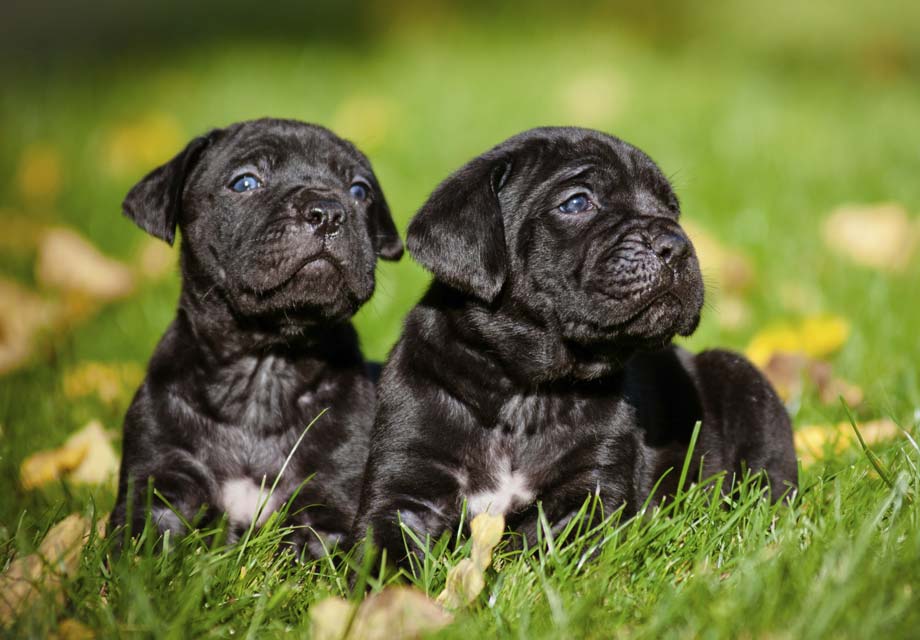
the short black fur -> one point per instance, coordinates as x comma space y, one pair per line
261, 343
539, 365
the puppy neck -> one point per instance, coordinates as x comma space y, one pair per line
208, 316
527, 347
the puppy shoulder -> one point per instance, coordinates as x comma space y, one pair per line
729, 368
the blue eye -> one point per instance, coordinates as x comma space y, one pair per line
359, 191
246, 182
578, 203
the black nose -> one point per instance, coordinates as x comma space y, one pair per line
325, 216
670, 246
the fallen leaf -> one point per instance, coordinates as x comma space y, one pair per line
814, 336
831, 388
330, 617
365, 119
880, 236
58, 555
812, 442
39, 173
141, 144
70, 262
466, 580
23, 315
790, 373
112, 383
86, 458
396, 613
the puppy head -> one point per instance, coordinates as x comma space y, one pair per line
283, 218
576, 226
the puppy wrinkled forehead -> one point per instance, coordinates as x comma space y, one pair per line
275, 142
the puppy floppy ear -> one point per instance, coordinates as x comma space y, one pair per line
154, 203
458, 233
387, 243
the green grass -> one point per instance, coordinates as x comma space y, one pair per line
766, 121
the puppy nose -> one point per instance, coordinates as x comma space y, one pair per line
325, 216
670, 246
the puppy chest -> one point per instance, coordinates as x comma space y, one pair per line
245, 502
499, 490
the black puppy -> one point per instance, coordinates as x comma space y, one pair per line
281, 224
538, 366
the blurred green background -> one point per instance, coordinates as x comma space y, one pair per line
767, 116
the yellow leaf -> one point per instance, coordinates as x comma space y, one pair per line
68, 261
39, 173
86, 458
396, 613
880, 236
57, 556
816, 337
329, 618
23, 315
486, 531
467, 580
110, 382
812, 442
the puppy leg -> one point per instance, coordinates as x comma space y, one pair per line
182, 481
743, 412
427, 504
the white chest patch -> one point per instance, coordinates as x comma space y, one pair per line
510, 489
242, 500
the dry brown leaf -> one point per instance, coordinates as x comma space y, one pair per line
396, 613
790, 372
466, 580
86, 458
68, 261
23, 315
813, 336
57, 556
110, 382
39, 173
814, 441
881, 236
138, 145
731, 270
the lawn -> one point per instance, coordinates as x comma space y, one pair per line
767, 118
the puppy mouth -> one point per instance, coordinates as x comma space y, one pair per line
316, 287
317, 262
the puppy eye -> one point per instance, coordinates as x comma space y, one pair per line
359, 191
579, 203
245, 182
